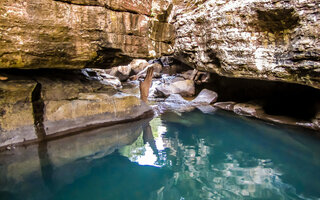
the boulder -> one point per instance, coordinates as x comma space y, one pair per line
138, 65
184, 88
175, 102
102, 76
123, 72
247, 109
205, 97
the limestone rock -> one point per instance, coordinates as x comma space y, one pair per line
184, 88
258, 39
16, 112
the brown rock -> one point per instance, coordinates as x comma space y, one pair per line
16, 112
77, 33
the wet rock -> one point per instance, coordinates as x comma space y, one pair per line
205, 97
176, 98
225, 105
255, 109
247, 109
184, 88
16, 112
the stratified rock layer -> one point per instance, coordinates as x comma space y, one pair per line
260, 39
16, 112
79, 33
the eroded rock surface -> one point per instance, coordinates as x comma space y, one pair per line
79, 33
33, 110
260, 39
16, 112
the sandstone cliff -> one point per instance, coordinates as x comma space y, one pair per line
79, 33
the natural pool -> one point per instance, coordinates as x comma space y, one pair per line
189, 156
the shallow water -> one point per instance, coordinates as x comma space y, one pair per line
176, 156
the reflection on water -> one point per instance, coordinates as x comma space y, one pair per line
176, 156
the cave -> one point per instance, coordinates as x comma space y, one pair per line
278, 98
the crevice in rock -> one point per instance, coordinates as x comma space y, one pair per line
38, 112
97, 4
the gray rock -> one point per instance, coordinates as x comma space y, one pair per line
260, 39
205, 97
184, 88
225, 105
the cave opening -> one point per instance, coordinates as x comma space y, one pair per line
278, 98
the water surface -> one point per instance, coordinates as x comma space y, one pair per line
190, 156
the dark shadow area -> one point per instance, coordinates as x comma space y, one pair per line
38, 112
278, 98
109, 57
277, 20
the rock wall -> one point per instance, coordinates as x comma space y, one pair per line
260, 39
52, 105
79, 33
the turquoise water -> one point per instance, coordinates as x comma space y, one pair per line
188, 156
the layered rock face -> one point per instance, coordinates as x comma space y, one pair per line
43, 108
79, 33
260, 39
